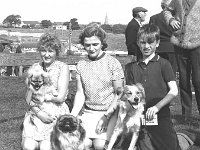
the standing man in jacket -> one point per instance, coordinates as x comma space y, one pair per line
139, 14
186, 37
165, 48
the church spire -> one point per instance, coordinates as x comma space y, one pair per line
106, 19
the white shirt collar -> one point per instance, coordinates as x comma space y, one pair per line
138, 22
146, 61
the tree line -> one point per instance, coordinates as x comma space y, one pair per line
15, 21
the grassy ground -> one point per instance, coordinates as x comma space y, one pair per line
13, 108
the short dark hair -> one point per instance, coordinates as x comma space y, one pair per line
49, 40
94, 29
135, 14
150, 32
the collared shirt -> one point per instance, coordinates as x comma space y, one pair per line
154, 76
146, 61
138, 22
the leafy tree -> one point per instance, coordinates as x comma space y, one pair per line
46, 23
119, 28
75, 25
107, 27
12, 20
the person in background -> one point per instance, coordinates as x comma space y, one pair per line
2, 68
183, 17
165, 48
156, 75
1, 47
9, 69
33, 137
18, 50
139, 14
98, 77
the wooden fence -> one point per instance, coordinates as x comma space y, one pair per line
27, 59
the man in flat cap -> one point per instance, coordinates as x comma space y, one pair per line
139, 14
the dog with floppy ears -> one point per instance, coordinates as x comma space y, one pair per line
130, 107
68, 134
40, 84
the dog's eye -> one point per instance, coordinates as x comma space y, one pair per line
129, 94
137, 93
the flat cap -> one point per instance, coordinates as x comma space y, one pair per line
139, 9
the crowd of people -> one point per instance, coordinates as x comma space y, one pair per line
169, 37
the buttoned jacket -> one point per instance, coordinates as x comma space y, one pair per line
188, 13
131, 37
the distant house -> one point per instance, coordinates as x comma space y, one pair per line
30, 23
59, 26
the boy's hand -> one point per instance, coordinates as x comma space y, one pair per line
150, 113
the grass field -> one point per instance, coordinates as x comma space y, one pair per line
13, 108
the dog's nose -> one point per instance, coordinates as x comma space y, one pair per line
136, 99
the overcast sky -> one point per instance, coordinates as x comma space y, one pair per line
86, 11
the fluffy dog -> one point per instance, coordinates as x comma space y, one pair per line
68, 134
40, 84
130, 108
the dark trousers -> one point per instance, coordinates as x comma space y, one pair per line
159, 137
188, 61
9, 71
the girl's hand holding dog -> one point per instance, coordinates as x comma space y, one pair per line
102, 125
45, 117
35, 99
151, 112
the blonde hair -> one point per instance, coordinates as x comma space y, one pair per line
49, 40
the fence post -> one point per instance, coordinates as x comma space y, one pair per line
70, 34
20, 70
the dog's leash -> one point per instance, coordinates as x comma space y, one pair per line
130, 104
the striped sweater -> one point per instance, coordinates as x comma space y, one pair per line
188, 14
